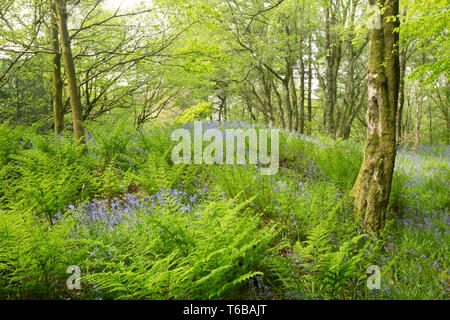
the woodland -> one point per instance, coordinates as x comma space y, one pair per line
93, 206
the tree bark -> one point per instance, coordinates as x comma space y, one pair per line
57, 83
418, 118
280, 105
401, 95
309, 126
333, 45
328, 115
75, 100
301, 125
268, 106
297, 119
287, 100
373, 184
430, 124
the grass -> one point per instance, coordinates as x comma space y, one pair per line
140, 227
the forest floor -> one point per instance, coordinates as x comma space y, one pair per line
139, 227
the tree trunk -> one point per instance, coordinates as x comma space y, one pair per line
309, 127
447, 134
287, 101
75, 100
295, 104
58, 108
268, 106
430, 125
301, 127
333, 45
401, 95
328, 115
373, 185
418, 118
250, 111
280, 105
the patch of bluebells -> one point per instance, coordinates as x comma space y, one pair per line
418, 218
223, 125
313, 171
259, 289
280, 186
98, 292
110, 213
303, 137
391, 247
296, 296
90, 140
421, 172
296, 265
424, 165
324, 142
310, 169
297, 269
386, 291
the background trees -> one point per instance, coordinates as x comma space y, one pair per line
295, 64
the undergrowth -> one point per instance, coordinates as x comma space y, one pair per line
140, 227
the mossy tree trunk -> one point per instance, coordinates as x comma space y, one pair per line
57, 83
373, 185
75, 100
